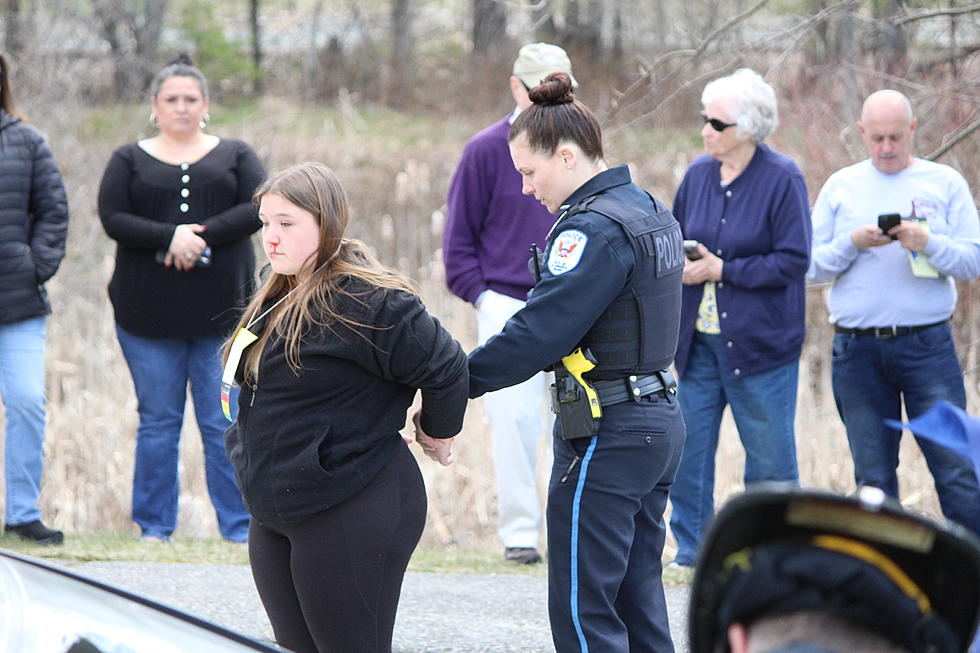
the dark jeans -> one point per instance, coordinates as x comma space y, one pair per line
332, 582
871, 378
606, 530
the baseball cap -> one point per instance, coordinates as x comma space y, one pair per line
536, 60
779, 549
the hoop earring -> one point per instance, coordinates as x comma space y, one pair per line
204, 122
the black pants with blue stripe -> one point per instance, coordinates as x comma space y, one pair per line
606, 530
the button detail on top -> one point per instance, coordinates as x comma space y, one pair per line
718, 252
729, 343
184, 166
724, 220
724, 314
184, 207
737, 371
728, 193
636, 392
184, 192
185, 178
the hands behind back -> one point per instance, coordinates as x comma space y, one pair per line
438, 449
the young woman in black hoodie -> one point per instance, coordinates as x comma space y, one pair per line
342, 345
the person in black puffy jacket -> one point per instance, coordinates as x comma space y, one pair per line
33, 229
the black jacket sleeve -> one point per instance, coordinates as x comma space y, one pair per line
241, 220
412, 347
49, 212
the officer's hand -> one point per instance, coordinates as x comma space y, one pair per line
911, 234
869, 235
706, 268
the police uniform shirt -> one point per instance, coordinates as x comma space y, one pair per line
588, 263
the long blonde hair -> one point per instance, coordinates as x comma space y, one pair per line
313, 187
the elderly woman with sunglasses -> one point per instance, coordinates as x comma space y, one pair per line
742, 312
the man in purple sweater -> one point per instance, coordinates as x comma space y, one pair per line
489, 229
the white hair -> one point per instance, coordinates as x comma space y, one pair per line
751, 100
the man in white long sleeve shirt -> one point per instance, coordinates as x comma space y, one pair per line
892, 296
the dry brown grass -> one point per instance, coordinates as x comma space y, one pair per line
396, 168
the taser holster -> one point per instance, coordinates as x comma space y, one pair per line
573, 399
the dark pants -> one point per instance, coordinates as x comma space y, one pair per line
331, 583
606, 530
871, 379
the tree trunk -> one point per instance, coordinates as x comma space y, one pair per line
13, 37
489, 29
891, 43
256, 47
133, 33
401, 71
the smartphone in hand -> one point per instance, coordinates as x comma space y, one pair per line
691, 250
888, 220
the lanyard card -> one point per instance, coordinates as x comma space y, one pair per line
243, 339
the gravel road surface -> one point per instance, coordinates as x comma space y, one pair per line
438, 613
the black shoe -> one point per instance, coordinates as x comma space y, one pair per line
522, 555
38, 533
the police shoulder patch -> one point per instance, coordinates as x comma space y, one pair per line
567, 251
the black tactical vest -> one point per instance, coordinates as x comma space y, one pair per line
637, 334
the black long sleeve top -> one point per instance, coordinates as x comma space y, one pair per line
306, 441
142, 200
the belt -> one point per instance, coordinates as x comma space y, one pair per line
885, 332
633, 387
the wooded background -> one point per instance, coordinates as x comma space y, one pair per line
387, 93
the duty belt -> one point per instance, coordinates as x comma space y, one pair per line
632, 388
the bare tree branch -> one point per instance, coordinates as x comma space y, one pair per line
954, 140
696, 81
798, 32
898, 21
692, 55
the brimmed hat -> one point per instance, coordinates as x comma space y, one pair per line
536, 60
949, 426
773, 551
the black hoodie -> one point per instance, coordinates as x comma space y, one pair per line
305, 441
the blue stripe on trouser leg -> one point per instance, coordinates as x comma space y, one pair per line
574, 543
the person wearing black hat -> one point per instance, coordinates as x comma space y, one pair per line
801, 570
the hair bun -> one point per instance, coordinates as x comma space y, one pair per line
556, 88
183, 59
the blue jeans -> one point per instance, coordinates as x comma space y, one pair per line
22, 389
871, 378
764, 407
161, 369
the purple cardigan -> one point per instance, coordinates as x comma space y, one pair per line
760, 226
490, 224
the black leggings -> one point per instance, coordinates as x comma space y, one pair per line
330, 584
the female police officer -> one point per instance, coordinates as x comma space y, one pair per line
610, 283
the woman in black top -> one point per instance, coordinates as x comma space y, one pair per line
337, 500
179, 207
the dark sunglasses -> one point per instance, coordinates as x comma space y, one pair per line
716, 124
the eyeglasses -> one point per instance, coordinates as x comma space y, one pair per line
716, 124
